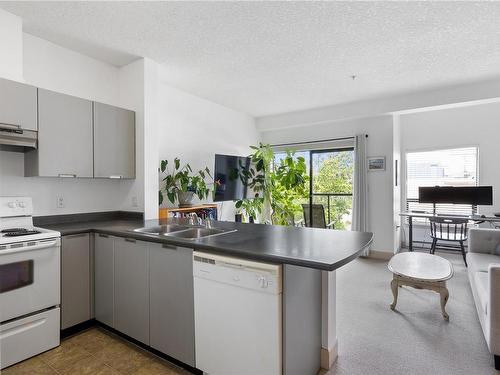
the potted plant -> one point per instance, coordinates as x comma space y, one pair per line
252, 207
282, 185
181, 184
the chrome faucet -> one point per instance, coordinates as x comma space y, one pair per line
193, 219
208, 222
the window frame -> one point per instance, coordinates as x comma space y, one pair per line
405, 200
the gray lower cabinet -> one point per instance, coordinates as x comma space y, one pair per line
104, 279
18, 105
172, 301
145, 290
75, 280
65, 141
131, 297
114, 142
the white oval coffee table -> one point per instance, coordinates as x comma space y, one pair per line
421, 271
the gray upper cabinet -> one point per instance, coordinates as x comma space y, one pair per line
131, 307
104, 279
18, 106
65, 142
172, 301
114, 142
75, 280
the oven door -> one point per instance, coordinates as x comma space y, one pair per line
29, 278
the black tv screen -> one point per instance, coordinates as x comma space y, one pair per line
456, 194
228, 184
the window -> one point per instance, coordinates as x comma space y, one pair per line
449, 167
16, 275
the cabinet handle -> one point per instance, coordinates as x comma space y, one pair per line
116, 176
75, 235
130, 240
103, 235
11, 128
171, 247
67, 175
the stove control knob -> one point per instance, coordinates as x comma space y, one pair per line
21, 204
11, 204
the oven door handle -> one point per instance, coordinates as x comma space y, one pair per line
43, 245
19, 329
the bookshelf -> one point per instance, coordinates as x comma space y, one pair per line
201, 210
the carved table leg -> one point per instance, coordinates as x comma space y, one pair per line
394, 287
444, 294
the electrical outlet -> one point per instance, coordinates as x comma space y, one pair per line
60, 202
134, 202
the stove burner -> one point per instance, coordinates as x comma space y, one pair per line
16, 232
10, 230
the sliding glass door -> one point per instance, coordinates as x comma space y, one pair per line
330, 188
331, 174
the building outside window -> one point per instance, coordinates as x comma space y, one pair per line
444, 167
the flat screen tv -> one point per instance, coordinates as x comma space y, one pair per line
476, 195
228, 184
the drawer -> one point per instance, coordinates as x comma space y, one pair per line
23, 338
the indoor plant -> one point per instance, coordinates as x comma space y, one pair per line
279, 187
181, 184
252, 207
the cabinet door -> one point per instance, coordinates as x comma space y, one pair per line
104, 279
132, 288
18, 105
172, 301
114, 142
65, 144
75, 280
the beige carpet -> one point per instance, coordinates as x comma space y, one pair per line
414, 339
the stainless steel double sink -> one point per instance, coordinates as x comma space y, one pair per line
187, 232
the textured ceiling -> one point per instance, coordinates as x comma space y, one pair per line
272, 57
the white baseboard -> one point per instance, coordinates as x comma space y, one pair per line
329, 356
384, 255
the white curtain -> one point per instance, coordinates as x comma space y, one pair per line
360, 188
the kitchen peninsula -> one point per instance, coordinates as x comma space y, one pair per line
144, 282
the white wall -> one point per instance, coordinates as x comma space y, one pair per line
468, 126
152, 105
396, 182
131, 95
11, 46
437, 98
195, 129
53, 67
380, 143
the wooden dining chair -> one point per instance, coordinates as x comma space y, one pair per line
444, 229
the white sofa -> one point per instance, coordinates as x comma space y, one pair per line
483, 261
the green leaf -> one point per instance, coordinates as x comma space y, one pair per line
163, 165
171, 197
177, 163
160, 197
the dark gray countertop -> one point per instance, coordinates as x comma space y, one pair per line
323, 249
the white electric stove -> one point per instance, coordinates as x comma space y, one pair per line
29, 283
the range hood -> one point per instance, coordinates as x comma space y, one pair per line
13, 138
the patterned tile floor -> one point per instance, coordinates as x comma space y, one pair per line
97, 352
